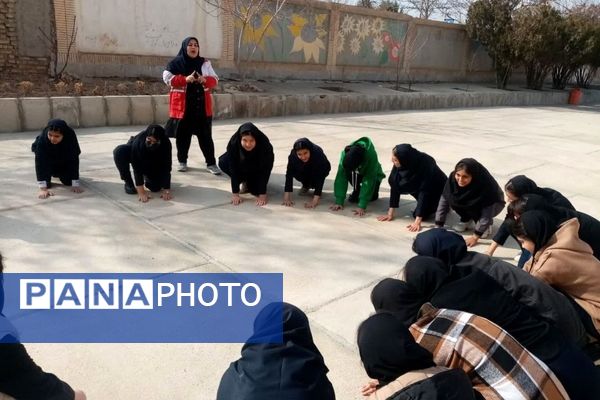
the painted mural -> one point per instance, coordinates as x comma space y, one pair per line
369, 41
297, 34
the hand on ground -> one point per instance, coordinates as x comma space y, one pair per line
166, 195
369, 388
44, 194
336, 207
312, 204
471, 240
261, 200
385, 217
414, 227
77, 189
359, 212
236, 200
144, 197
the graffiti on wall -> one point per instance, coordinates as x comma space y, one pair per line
296, 34
369, 41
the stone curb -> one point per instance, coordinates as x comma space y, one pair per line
32, 113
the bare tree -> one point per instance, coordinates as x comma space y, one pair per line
422, 8
245, 12
51, 41
413, 44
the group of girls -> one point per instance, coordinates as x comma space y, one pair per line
456, 325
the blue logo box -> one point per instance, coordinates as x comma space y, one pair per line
139, 308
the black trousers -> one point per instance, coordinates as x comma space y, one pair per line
122, 157
202, 129
60, 171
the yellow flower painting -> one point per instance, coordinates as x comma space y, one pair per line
308, 36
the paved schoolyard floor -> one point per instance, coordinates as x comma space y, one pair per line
330, 261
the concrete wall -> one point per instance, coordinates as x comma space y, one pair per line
307, 40
22, 53
145, 27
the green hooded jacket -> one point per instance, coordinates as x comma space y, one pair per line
370, 169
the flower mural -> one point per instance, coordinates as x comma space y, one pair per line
308, 34
364, 40
296, 34
257, 31
377, 45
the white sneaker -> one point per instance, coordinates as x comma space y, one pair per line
214, 169
460, 227
182, 167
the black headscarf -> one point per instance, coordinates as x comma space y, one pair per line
67, 146
399, 298
388, 350
182, 64
482, 192
538, 226
426, 274
237, 151
149, 160
317, 162
409, 175
521, 185
477, 293
447, 246
292, 370
355, 155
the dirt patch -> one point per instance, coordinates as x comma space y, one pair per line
105, 87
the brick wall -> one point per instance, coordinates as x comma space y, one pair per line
13, 65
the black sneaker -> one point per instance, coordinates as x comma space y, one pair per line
130, 189
353, 198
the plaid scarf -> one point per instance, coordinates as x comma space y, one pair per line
498, 365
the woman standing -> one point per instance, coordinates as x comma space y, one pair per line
473, 193
417, 174
308, 164
191, 79
56, 155
248, 161
149, 153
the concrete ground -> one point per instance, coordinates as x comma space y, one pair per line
330, 260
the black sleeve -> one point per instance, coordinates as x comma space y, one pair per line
265, 172
394, 193
43, 171
23, 379
319, 182
502, 234
136, 165
289, 176
167, 165
322, 171
234, 167
74, 167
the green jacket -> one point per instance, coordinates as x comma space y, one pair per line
370, 170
